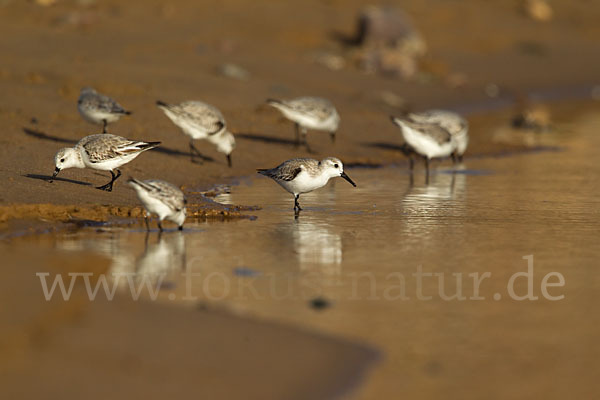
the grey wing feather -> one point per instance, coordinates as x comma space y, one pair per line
435, 131
451, 121
101, 102
165, 192
313, 106
284, 172
104, 147
203, 115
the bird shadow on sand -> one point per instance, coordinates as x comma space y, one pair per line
48, 177
265, 139
164, 150
179, 153
388, 146
45, 136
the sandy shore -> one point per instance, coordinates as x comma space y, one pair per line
148, 50
140, 51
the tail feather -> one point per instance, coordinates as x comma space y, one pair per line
273, 102
132, 181
126, 112
397, 120
148, 145
161, 103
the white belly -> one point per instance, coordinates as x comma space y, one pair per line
154, 206
330, 124
462, 142
425, 145
97, 117
110, 164
191, 130
304, 183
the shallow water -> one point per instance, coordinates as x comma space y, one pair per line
394, 263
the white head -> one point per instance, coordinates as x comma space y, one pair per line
67, 157
336, 123
87, 90
179, 217
333, 167
225, 142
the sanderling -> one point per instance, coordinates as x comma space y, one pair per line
303, 175
161, 198
309, 113
104, 152
98, 108
455, 124
425, 139
199, 120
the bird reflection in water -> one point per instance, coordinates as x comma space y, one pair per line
428, 206
161, 263
317, 245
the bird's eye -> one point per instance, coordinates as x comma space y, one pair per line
62, 160
335, 165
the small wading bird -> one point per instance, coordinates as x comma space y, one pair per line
303, 175
426, 140
309, 113
98, 108
199, 120
104, 152
161, 198
455, 124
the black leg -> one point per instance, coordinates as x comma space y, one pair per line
411, 164
297, 129
296, 204
454, 158
332, 136
195, 151
191, 151
160, 228
146, 218
426, 170
180, 227
304, 132
459, 158
104, 123
109, 186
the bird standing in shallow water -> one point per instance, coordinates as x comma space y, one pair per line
303, 175
309, 113
104, 152
161, 198
428, 140
199, 120
456, 125
98, 108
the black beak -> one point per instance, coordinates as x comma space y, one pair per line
229, 160
346, 177
56, 171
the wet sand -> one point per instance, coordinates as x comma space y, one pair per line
122, 348
346, 267
522, 193
146, 50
